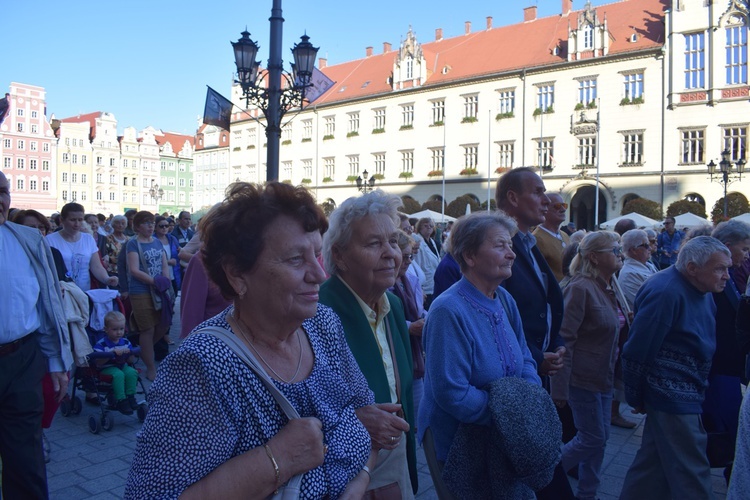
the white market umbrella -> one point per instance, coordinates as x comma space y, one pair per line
690, 220
468, 209
640, 221
435, 216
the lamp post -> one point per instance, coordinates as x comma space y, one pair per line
264, 88
728, 176
365, 185
156, 194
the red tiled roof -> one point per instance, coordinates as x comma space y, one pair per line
176, 140
89, 117
528, 44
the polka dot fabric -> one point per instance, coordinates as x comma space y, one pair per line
207, 406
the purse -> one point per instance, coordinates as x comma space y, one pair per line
291, 490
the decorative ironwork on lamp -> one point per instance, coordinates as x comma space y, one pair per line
364, 184
727, 173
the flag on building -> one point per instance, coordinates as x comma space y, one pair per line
4, 107
218, 109
319, 83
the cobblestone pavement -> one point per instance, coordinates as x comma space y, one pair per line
89, 466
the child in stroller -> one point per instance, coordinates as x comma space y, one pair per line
112, 353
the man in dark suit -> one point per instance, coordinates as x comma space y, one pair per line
521, 194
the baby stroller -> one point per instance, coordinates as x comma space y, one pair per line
90, 378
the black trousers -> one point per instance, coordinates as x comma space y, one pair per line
21, 408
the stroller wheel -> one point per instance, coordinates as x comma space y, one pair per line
94, 425
76, 405
142, 411
108, 422
66, 407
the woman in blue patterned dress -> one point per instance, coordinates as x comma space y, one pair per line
213, 429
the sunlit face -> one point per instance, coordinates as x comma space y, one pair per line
492, 262
426, 229
608, 261
119, 226
739, 252
93, 223
557, 209
370, 261
162, 228
287, 275
186, 220
145, 229
115, 330
72, 223
713, 276
530, 206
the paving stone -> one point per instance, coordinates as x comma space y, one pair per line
105, 495
106, 482
104, 468
70, 493
61, 481
71, 464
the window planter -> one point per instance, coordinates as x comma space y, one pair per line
591, 105
538, 111
251, 146
306, 181
327, 179
378, 130
435, 173
328, 137
469, 171
405, 175
236, 149
579, 107
351, 178
406, 127
469, 119
286, 181
501, 170
353, 133
286, 142
502, 116
628, 102
378, 177
307, 139
438, 123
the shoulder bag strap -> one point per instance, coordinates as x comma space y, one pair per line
393, 359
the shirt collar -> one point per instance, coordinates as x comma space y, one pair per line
375, 318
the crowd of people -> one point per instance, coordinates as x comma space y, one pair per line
317, 353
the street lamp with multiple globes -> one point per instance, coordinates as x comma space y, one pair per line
727, 174
365, 185
264, 89
156, 193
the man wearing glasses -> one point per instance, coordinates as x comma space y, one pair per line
549, 239
668, 243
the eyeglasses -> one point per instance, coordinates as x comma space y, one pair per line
644, 245
616, 250
558, 206
148, 223
162, 226
408, 257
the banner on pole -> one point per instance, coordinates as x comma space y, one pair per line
218, 109
319, 83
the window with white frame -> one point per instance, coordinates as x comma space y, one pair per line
379, 160
471, 155
438, 159
353, 165
587, 90
330, 125
19, 184
736, 52
83, 196
545, 96
633, 85
66, 157
438, 111
587, 151
45, 185
286, 132
20, 129
32, 185
34, 129
407, 161
735, 140
505, 152
588, 36
695, 61
545, 152
6, 143
99, 160
21, 144
84, 178
34, 114
181, 183
45, 147
632, 148
19, 112
252, 135
74, 177
33, 146
99, 178
307, 165
74, 159
471, 106
307, 129
693, 145
379, 123
67, 141
33, 164
506, 101
407, 115
286, 170
112, 196
352, 123
99, 196
112, 179
20, 163
7, 162
84, 159
65, 194
45, 165
409, 67
329, 167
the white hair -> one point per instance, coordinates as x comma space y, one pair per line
698, 251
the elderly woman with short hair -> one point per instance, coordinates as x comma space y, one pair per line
214, 428
362, 257
473, 334
721, 406
115, 242
636, 269
591, 325
428, 256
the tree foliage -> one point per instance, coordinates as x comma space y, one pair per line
457, 207
410, 205
680, 207
327, 208
493, 205
434, 205
737, 205
644, 207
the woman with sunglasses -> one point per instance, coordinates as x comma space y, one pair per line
590, 328
549, 239
171, 248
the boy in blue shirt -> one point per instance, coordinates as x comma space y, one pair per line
114, 354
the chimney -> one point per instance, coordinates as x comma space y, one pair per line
438, 34
368, 51
529, 13
567, 6
467, 27
386, 47
489, 22
322, 62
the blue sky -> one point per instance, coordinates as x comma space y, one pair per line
148, 62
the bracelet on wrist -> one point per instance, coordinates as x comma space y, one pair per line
366, 470
275, 467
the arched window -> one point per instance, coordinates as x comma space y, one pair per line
588, 37
695, 197
736, 50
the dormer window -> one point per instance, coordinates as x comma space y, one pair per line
588, 37
409, 67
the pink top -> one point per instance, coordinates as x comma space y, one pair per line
201, 298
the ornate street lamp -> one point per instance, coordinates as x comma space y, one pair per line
156, 193
364, 185
728, 175
273, 91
